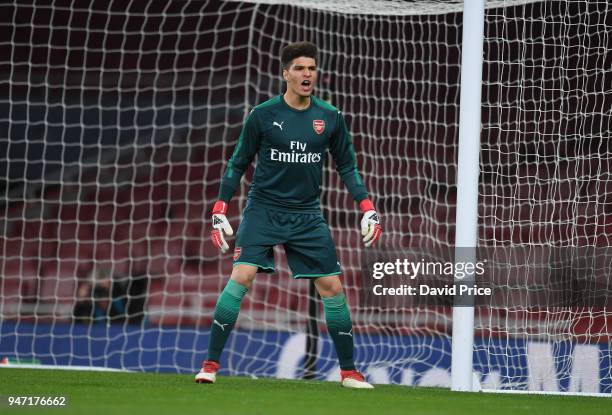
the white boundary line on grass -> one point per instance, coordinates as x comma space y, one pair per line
60, 367
521, 392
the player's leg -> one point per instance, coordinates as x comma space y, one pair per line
337, 318
224, 319
228, 307
340, 328
253, 253
311, 253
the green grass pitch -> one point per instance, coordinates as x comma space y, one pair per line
146, 393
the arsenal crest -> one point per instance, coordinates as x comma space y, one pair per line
237, 252
319, 126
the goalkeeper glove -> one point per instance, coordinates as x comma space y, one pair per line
370, 223
221, 226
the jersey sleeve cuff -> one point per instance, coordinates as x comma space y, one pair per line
220, 207
366, 205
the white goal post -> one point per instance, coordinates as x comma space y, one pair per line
468, 167
117, 119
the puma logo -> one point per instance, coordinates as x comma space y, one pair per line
279, 125
220, 325
342, 333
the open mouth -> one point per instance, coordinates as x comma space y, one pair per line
306, 83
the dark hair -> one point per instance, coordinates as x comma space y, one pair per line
296, 50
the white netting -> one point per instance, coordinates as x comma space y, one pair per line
545, 191
120, 117
389, 7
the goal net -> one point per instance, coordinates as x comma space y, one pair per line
118, 119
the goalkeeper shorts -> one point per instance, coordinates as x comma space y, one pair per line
309, 247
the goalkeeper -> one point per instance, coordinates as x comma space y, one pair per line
291, 135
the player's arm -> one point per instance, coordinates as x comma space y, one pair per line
341, 149
244, 152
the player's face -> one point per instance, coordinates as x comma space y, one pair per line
301, 76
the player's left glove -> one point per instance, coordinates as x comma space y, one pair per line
370, 223
221, 226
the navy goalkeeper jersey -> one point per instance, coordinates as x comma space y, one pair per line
291, 147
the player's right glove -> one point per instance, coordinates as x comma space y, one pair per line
221, 226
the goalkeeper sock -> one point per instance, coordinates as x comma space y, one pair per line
226, 314
340, 327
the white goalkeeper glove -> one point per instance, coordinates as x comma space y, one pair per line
370, 223
221, 226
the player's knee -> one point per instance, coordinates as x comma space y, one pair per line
244, 274
329, 286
